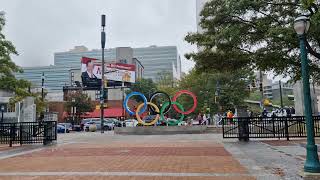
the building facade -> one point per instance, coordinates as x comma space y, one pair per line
154, 59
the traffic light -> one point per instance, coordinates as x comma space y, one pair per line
261, 88
253, 84
249, 88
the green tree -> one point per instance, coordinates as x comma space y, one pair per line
8, 68
144, 86
165, 79
231, 89
307, 3
8, 81
245, 34
81, 101
255, 96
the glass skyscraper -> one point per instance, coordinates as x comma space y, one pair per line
154, 59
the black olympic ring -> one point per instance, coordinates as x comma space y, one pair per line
167, 109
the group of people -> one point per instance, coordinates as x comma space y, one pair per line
283, 112
203, 119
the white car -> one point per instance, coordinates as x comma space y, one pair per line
131, 123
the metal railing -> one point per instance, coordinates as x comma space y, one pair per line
28, 132
273, 127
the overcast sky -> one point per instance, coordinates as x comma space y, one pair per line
38, 28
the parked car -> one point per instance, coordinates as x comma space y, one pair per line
131, 123
67, 125
116, 122
88, 124
62, 129
84, 121
108, 125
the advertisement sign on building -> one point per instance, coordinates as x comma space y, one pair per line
91, 72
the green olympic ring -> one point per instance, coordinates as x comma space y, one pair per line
163, 108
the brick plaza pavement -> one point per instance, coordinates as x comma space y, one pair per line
108, 156
176, 157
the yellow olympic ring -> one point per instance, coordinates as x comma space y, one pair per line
153, 121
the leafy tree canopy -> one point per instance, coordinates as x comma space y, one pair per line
81, 101
144, 86
8, 67
217, 91
247, 34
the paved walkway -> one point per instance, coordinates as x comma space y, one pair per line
108, 156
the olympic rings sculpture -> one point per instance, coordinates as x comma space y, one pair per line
165, 107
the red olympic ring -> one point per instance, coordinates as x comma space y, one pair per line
195, 101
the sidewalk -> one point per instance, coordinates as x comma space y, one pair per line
177, 157
107, 156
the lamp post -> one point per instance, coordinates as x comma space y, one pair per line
42, 94
2, 110
301, 26
42, 86
103, 42
73, 110
280, 89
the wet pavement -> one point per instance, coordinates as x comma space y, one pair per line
190, 156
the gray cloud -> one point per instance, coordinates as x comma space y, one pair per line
38, 28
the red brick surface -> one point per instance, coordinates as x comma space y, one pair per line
171, 156
133, 151
123, 178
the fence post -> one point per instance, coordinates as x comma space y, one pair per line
286, 128
20, 134
222, 127
45, 133
243, 125
273, 128
12, 133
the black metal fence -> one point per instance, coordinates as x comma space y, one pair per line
276, 127
28, 132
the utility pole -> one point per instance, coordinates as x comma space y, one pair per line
103, 42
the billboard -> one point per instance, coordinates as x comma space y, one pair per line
91, 72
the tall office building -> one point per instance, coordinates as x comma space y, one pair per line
154, 59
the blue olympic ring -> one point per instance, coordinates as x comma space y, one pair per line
125, 103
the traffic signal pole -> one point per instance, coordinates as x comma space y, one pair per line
103, 42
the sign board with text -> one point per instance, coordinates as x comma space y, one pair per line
91, 72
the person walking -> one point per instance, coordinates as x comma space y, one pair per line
204, 119
199, 118
230, 116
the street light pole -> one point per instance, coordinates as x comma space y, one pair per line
73, 110
42, 94
103, 42
280, 89
301, 26
42, 83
